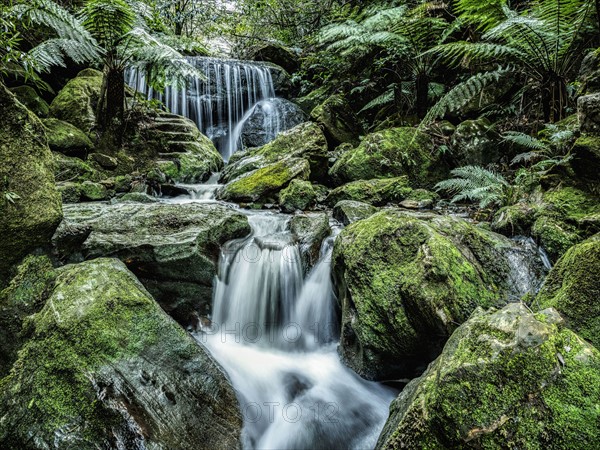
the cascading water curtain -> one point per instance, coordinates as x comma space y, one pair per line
221, 103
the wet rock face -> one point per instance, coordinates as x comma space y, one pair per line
405, 280
173, 249
506, 378
105, 367
268, 118
29, 200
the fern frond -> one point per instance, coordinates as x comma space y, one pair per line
524, 140
383, 100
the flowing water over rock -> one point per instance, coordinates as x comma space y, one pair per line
231, 93
275, 334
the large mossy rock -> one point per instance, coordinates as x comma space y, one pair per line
573, 288
29, 221
377, 192
277, 54
299, 195
476, 143
25, 295
310, 230
263, 185
338, 120
305, 141
32, 100
76, 103
405, 280
66, 138
173, 249
350, 211
105, 367
389, 153
565, 217
258, 130
506, 379
588, 111
586, 159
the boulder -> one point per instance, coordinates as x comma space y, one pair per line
264, 184
310, 230
277, 54
350, 211
588, 111
586, 159
25, 295
32, 100
375, 192
305, 141
573, 288
105, 161
476, 143
506, 379
31, 205
177, 245
299, 195
589, 73
93, 191
385, 154
313, 99
338, 120
268, 118
76, 103
72, 169
66, 138
406, 279
105, 367
514, 220
565, 217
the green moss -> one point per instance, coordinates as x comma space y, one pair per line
70, 192
299, 195
410, 279
26, 170
93, 191
386, 154
76, 102
505, 379
338, 120
32, 100
71, 169
376, 192
264, 183
66, 138
514, 220
312, 100
573, 289
25, 295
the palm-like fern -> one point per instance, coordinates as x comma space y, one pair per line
540, 47
400, 36
475, 183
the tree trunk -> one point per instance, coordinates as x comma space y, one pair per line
111, 108
422, 87
554, 100
598, 16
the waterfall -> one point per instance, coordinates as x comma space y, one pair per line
222, 102
275, 334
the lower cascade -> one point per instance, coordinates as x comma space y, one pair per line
275, 334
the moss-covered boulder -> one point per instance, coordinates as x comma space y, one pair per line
93, 191
310, 230
76, 103
193, 162
176, 245
32, 100
475, 142
588, 111
350, 211
311, 100
305, 141
385, 154
375, 192
66, 138
338, 120
573, 288
105, 367
405, 280
299, 195
25, 295
73, 169
586, 159
565, 217
263, 185
514, 220
29, 200
506, 379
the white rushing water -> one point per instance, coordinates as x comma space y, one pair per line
222, 102
275, 334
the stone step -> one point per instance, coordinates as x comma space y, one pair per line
174, 126
173, 136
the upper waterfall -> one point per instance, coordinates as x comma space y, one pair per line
229, 95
